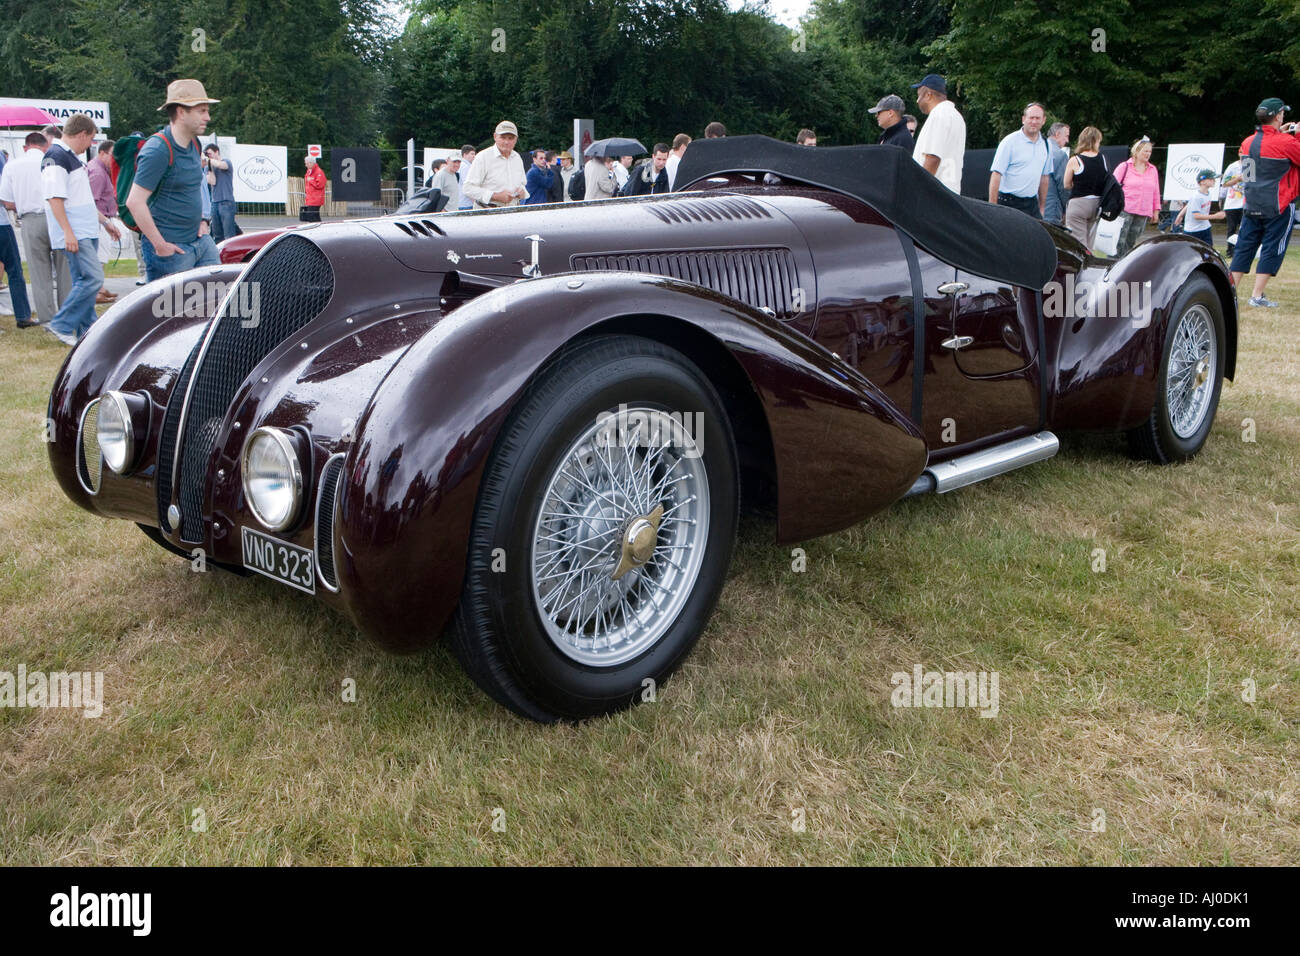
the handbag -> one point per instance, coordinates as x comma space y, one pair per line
1106, 241
1112, 196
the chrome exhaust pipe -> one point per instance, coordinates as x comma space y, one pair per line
977, 466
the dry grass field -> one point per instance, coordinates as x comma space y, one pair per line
225, 737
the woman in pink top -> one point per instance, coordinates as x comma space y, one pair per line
1141, 183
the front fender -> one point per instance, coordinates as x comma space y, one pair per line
1112, 331
842, 450
139, 344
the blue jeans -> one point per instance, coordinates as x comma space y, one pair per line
14, 272
199, 252
223, 220
77, 313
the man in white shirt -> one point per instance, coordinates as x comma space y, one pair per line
620, 170
941, 144
74, 221
497, 177
22, 193
680, 142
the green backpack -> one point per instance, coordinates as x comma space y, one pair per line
126, 152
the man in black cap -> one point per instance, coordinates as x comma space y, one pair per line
889, 116
1270, 160
941, 144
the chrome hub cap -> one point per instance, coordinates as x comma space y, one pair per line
619, 541
1189, 384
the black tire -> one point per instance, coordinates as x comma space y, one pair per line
500, 633
1157, 439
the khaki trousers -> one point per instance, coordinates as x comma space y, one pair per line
1081, 218
46, 266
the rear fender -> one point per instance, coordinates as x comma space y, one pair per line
1108, 356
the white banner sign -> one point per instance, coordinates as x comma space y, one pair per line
261, 173
224, 143
1184, 162
62, 109
584, 134
435, 152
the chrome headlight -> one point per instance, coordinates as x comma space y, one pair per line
122, 418
272, 476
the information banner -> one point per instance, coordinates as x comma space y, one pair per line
62, 109
1184, 162
355, 174
261, 173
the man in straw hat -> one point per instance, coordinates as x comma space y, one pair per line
165, 197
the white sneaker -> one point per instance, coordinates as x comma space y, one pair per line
63, 337
1260, 301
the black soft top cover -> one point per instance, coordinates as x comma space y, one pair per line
992, 241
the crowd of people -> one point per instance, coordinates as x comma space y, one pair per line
1041, 177
181, 201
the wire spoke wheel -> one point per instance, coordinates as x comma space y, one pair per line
1193, 360
620, 536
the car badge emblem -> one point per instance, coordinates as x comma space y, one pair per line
452, 257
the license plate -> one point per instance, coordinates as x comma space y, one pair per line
286, 563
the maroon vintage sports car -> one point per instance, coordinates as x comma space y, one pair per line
537, 424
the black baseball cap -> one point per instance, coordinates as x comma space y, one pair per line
935, 82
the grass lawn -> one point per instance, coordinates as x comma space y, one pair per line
114, 267
225, 738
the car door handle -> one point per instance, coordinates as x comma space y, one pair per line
953, 288
957, 342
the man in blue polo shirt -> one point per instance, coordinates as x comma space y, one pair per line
166, 196
1022, 166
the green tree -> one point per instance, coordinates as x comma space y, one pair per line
286, 71
1175, 71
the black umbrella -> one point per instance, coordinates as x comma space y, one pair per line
614, 146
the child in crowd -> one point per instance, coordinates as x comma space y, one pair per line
1196, 215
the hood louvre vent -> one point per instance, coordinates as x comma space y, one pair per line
420, 227
722, 209
761, 278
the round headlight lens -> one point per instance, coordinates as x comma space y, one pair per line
272, 478
115, 438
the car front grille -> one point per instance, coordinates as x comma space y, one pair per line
290, 283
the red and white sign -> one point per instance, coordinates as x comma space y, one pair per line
313, 149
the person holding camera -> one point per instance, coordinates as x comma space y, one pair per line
1270, 160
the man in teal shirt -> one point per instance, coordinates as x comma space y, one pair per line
166, 196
